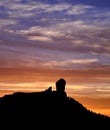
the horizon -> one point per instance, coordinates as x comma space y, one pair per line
93, 103
42, 41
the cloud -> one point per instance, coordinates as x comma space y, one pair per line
7, 22
20, 14
40, 38
84, 61
57, 7
28, 53
79, 9
49, 8
79, 34
104, 90
37, 29
69, 64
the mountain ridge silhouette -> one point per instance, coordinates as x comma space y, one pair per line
48, 109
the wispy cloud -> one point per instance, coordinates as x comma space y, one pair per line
6, 22
104, 90
79, 9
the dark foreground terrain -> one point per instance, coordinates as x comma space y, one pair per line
47, 110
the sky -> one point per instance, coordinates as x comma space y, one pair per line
44, 40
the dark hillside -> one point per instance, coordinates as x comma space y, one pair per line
48, 110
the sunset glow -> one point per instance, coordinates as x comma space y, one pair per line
42, 41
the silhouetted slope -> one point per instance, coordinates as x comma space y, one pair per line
47, 110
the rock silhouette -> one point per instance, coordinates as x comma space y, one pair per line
48, 110
60, 85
